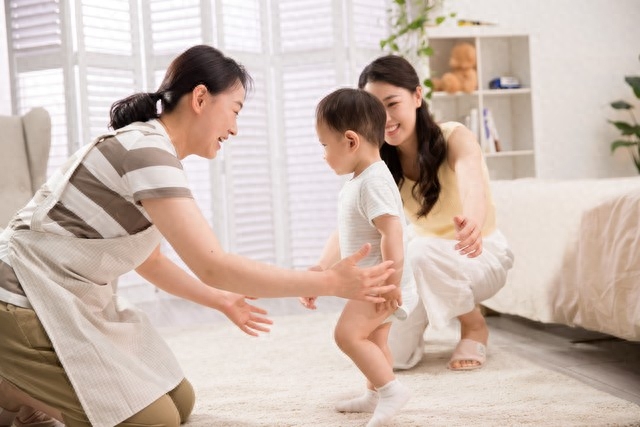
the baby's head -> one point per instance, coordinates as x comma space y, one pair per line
353, 110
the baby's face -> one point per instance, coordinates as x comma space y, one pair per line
337, 151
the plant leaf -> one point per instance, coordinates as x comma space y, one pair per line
626, 128
621, 105
634, 82
426, 51
620, 143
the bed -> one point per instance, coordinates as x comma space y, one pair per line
577, 252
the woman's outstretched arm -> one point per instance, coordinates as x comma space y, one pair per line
168, 276
181, 222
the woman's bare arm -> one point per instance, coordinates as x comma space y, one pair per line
183, 225
166, 275
465, 157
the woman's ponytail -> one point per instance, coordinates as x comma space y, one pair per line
138, 107
200, 64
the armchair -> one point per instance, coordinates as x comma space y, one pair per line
25, 142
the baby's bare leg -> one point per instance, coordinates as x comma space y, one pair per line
358, 321
366, 402
362, 335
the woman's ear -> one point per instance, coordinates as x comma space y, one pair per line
418, 96
198, 97
353, 139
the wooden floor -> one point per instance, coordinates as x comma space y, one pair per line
604, 362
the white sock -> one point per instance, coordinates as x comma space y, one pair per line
393, 396
365, 403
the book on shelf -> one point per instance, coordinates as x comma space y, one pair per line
471, 121
491, 140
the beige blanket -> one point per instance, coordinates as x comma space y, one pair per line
577, 252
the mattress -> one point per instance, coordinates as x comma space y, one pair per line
577, 252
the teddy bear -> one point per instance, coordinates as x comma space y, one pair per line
462, 75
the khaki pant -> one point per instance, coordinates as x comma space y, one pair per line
28, 361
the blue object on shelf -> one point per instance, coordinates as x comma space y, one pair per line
505, 82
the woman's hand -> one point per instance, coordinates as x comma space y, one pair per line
469, 236
364, 284
249, 318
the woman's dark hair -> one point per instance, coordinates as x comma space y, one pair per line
397, 71
199, 64
353, 109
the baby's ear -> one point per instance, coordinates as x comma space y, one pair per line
353, 138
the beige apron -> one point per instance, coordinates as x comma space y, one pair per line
115, 360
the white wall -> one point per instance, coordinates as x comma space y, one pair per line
5, 94
580, 53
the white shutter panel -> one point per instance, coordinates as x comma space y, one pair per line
245, 162
104, 86
306, 24
107, 26
369, 25
45, 88
242, 25
312, 186
34, 24
34, 35
369, 22
174, 25
109, 62
248, 167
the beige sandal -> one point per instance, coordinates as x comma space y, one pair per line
468, 349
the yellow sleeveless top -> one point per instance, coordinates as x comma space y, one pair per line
439, 221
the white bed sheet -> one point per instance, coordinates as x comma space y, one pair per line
577, 252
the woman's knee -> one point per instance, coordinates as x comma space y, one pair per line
184, 398
161, 413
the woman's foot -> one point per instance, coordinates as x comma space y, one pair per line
471, 353
7, 418
28, 411
29, 417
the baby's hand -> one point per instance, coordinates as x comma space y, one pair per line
308, 302
393, 301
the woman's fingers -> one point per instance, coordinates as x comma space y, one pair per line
360, 253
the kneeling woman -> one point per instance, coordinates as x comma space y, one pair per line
71, 349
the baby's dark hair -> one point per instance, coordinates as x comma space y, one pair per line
353, 109
200, 64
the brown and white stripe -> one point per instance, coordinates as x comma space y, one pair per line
102, 198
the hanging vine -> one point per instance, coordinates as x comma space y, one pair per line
408, 23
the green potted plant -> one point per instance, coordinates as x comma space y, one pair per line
630, 131
408, 23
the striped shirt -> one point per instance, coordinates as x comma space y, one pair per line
102, 198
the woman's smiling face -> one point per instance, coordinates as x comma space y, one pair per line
401, 106
218, 120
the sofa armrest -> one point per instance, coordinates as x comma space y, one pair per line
37, 131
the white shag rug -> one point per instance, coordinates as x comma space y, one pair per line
294, 376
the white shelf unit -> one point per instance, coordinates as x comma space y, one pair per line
499, 53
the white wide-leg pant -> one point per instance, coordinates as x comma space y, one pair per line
449, 285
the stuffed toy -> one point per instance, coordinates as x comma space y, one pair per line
462, 75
